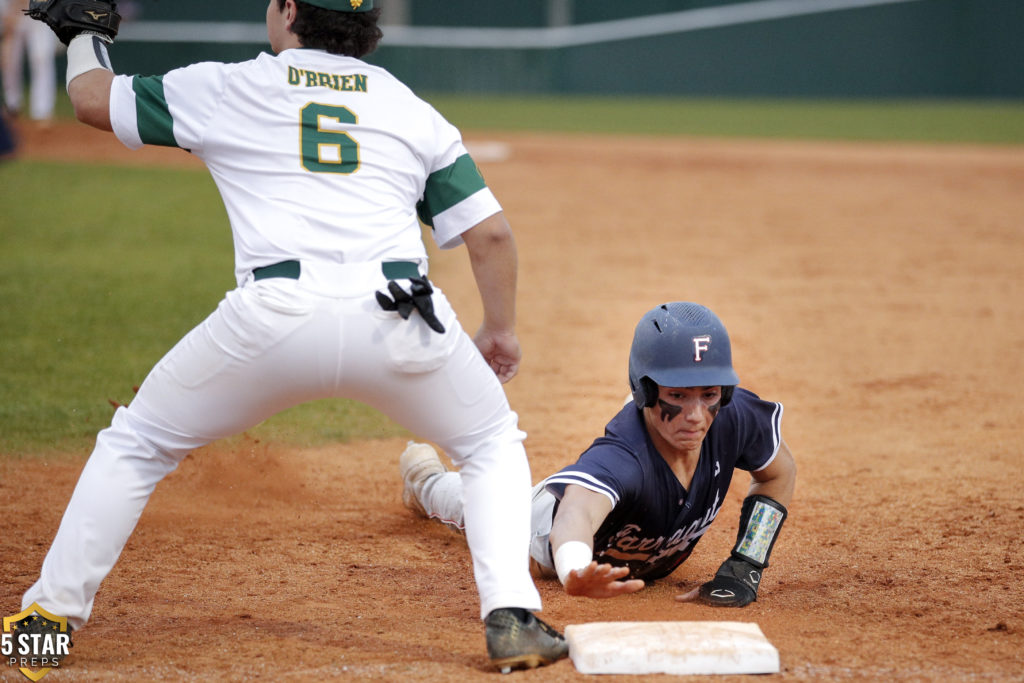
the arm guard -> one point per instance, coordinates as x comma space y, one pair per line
761, 519
737, 580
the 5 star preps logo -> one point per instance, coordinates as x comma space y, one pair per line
35, 641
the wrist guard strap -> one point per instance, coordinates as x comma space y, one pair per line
571, 555
87, 51
760, 521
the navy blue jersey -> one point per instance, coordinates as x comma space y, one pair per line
655, 522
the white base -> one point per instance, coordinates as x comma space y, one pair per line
671, 647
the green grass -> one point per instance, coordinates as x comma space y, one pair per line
898, 120
958, 121
105, 268
100, 278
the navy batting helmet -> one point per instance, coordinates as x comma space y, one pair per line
680, 344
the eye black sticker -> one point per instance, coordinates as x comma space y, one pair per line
713, 409
669, 412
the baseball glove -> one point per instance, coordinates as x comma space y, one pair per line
68, 18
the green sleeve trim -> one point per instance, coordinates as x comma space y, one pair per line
424, 213
448, 186
156, 127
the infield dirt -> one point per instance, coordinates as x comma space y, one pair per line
876, 290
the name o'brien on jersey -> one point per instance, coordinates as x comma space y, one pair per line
318, 79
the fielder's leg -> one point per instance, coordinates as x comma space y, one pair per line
41, 44
212, 384
109, 498
12, 52
442, 389
462, 407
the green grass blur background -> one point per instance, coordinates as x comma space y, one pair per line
105, 267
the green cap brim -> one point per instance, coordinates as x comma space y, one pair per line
343, 5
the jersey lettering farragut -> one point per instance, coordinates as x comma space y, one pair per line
627, 545
319, 79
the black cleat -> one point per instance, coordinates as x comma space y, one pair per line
516, 639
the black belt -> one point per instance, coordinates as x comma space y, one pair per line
393, 270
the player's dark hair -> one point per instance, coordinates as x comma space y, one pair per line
353, 34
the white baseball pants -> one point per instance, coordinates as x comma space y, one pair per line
273, 344
36, 40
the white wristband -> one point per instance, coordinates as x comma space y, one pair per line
87, 51
571, 555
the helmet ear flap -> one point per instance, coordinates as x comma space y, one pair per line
645, 392
648, 392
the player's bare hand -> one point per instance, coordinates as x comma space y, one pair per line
501, 351
689, 596
601, 581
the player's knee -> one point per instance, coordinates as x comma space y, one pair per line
493, 441
129, 434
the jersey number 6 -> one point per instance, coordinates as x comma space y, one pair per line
326, 148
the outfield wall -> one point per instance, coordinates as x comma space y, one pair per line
770, 48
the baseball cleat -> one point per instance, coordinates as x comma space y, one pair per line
418, 463
516, 639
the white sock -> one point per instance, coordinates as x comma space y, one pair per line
441, 497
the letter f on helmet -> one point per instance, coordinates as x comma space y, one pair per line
700, 345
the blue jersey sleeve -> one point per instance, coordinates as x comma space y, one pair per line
753, 426
611, 465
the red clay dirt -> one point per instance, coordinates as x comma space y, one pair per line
876, 290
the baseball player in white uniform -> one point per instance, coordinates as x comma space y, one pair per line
323, 162
26, 38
